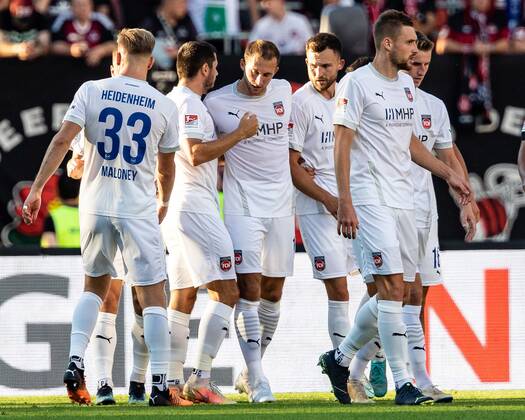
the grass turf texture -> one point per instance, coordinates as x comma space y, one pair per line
466, 405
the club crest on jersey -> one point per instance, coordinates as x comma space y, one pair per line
226, 263
377, 258
278, 107
319, 263
238, 256
409, 94
191, 120
426, 121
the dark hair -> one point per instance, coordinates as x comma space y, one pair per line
68, 188
262, 48
359, 62
192, 56
322, 41
423, 42
389, 24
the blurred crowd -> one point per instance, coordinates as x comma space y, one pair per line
86, 28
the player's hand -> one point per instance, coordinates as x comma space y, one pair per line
475, 209
248, 125
78, 49
461, 188
331, 203
75, 168
468, 221
309, 170
347, 223
161, 213
31, 207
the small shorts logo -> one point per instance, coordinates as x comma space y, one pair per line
238, 256
278, 108
426, 121
378, 259
319, 263
191, 120
409, 94
226, 263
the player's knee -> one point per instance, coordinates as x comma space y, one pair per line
337, 289
249, 290
272, 289
415, 297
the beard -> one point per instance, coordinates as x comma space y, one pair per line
324, 84
209, 82
399, 62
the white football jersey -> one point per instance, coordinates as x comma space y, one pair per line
381, 111
257, 180
433, 129
195, 188
312, 133
126, 124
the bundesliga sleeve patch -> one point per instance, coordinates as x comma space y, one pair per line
191, 120
408, 93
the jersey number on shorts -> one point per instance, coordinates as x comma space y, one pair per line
437, 263
113, 134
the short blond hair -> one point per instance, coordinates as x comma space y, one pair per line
136, 41
262, 48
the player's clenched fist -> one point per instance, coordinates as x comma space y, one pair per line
347, 223
31, 207
248, 125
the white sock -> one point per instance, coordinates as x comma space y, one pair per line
364, 299
213, 328
104, 344
140, 352
156, 335
269, 313
392, 331
416, 345
248, 332
83, 323
338, 321
364, 329
179, 324
363, 356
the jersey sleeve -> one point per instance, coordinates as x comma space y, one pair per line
76, 112
298, 126
169, 142
523, 131
444, 134
77, 145
191, 120
349, 104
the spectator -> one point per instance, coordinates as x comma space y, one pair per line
172, 26
83, 33
23, 31
288, 30
61, 227
477, 32
516, 13
422, 12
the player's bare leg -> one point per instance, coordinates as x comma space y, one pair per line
82, 326
152, 299
137, 380
214, 325
105, 343
416, 343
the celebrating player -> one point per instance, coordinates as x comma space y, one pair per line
257, 204
200, 248
374, 120
130, 130
311, 146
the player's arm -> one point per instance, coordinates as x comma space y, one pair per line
165, 179
75, 166
200, 152
55, 153
304, 182
425, 159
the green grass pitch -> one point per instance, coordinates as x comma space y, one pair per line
467, 405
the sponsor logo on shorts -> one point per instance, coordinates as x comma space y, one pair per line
378, 259
278, 108
226, 263
409, 94
191, 120
319, 263
426, 121
238, 256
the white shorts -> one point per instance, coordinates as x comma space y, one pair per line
262, 244
429, 267
387, 240
331, 254
118, 264
139, 240
199, 249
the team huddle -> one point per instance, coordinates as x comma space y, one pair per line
353, 160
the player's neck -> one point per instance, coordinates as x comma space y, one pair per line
327, 93
243, 88
194, 85
133, 72
383, 65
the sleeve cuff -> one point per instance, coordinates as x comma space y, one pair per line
296, 147
76, 120
447, 145
196, 136
345, 122
168, 149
